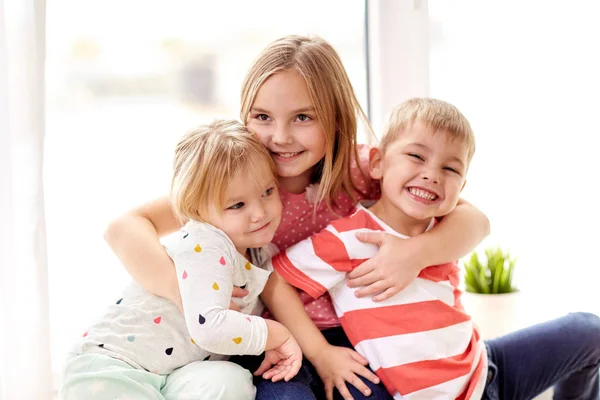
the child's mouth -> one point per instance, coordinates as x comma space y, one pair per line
262, 228
422, 194
288, 156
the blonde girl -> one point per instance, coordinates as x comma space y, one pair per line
297, 97
224, 186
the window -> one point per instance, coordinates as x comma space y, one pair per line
124, 81
530, 89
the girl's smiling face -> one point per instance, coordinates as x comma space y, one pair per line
284, 117
252, 211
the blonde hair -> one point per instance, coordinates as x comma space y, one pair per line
335, 103
439, 115
207, 159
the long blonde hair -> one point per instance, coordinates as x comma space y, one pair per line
207, 159
335, 103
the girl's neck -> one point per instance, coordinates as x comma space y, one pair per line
398, 220
295, 184
244, 251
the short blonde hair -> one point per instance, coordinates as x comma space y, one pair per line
207, 159
335, 103
439, 115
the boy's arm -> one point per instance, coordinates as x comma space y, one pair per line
399, 261
335, 365
301, 266
284, 303
134, 238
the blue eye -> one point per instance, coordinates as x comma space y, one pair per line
269, 191
236, 206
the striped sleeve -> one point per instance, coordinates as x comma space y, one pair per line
316, 264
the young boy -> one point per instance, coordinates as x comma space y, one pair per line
421, 343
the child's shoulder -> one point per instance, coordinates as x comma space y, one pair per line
363, 151
360, 218
367, 187
194, 236
202, 229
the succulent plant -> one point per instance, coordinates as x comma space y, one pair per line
492, 275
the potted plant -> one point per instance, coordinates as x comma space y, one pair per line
491, 297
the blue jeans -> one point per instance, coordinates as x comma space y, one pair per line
307, 385
564, 353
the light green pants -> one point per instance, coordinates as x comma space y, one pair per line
100, 377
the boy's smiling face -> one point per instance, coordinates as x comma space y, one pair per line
422, 173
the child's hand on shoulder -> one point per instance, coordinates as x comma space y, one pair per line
338, 365
397, 263
237, 292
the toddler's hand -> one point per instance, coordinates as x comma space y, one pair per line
338, 365
239, 293
282, 362
396, 265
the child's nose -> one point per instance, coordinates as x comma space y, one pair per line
431, 175
282, 135
258, 213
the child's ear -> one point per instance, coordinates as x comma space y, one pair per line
375, 163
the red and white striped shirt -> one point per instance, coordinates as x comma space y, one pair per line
421, 343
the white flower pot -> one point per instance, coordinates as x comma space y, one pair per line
494, 314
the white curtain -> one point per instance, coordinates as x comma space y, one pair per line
24, 321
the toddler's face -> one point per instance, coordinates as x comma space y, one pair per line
252, 211
422, 172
